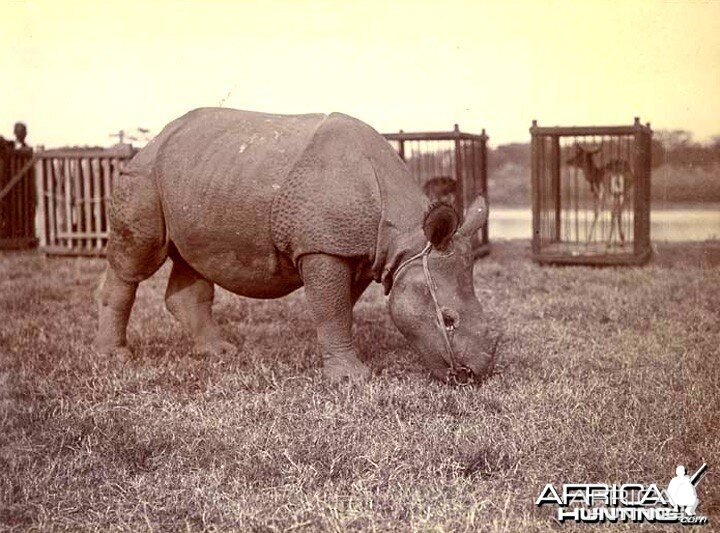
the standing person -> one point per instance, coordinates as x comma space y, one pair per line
20, 131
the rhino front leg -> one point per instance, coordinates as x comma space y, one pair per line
328, 288
189, 297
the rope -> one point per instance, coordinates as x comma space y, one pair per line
449, 355
17, 177
405, 263
450, 359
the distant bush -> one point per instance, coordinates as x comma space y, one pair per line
683, 171
677, 148
509, 185
686, 183
517, 154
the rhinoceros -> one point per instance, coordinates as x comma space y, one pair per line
262, 204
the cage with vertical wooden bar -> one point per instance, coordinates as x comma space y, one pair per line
591, 194
450, 166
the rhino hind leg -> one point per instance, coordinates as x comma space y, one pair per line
115, 298
189, 298
136, 249
328, 288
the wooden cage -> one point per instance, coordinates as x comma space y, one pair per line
74, 186
448, 165
591, 194
17, 197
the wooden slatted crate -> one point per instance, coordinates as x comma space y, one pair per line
74, 187
450, 166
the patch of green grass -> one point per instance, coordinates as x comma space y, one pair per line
608, 375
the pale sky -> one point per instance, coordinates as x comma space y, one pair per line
77, 70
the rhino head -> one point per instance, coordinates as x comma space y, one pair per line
432, 295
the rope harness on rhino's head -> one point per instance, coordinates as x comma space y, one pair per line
458, 372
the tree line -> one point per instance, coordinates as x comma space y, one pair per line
684, 171
669, 147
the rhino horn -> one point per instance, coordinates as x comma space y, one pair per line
475, 217
441, 222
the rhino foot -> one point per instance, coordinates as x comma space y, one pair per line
213, 347
345, 367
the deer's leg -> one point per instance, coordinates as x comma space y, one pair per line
596, 214
613, 215
621, 205
594, 223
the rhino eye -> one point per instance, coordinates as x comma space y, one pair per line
451, 319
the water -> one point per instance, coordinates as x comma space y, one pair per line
665, 224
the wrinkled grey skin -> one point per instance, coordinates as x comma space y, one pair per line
263, 204
411, 308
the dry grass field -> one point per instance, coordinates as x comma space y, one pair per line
608, 375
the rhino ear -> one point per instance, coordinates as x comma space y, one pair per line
441, 222
475, 217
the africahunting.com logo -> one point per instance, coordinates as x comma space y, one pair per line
631, 502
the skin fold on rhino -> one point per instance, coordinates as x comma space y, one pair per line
263, 204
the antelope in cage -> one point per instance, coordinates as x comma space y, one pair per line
614, 177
